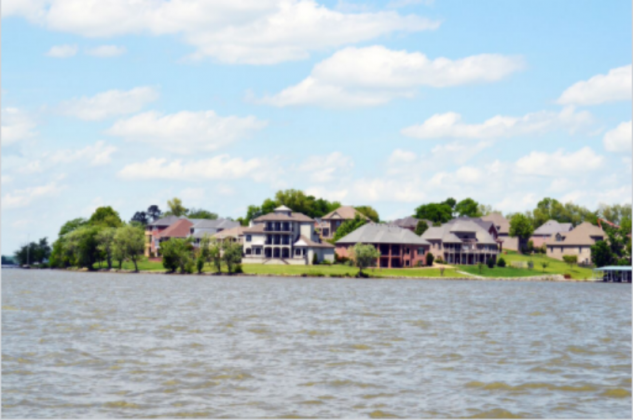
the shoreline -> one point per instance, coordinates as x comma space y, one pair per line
556, 278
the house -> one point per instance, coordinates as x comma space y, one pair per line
284, 237
547, 230
153, 231
464, 240
209, 227
235, 234
398, 247
333, 220
503, 230
575, 242
409, 222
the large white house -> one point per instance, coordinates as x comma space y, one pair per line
284, 237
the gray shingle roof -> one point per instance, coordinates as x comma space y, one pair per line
165, 221
552, 227
409, 222
215, 224
281, 217
446, 232
382, 234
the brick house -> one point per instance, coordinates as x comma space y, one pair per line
153, 231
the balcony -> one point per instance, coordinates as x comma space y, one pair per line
278, 227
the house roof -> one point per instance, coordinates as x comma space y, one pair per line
501, 223
344, 213
552, 227
283, 208
409, 222
282, 217
258, 228
382, 234
311, 244
215, 224
165, 221
235, 232
583, 234
446, 232
179, 229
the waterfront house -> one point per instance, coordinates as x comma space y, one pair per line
398, 247
284, 237
577, 242
333, 220
209, 227
547, 230
410, 223
464, 240
235, 234
503, 230
153, 231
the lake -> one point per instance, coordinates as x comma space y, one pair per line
120, 345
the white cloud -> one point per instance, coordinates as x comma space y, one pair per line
16, 125
24, 197
613, 86
220, 167
106, 51
109, 104
375, 75
559, 163
400, 156
384, 189
6, 179
327, 168
327, 193
449, 125
250, 31
95, 155
186, 132
619, 139
62, 51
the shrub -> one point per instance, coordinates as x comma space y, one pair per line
530, 246
430, 258
439, 260
238, 269
480, 266
570, 259
531, 265
420, 263
326, 262
490, 262
199, 264
501, 262
315, 259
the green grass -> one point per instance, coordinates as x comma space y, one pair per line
554, 267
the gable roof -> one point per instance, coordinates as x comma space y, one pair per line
583, 234
409, 222
501, 223
165, 221
179, 229
311, 244
446, 232
235, 232
382, 234
552, 227
282, 217
215, 224
344, 213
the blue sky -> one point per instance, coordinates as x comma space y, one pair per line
390, 104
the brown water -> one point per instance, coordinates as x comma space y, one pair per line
108, 345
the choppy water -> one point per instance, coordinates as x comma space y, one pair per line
108, 345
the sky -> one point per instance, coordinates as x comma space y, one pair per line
384, 103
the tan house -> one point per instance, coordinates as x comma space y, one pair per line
503, 230
547, 230
575, 242
333, 220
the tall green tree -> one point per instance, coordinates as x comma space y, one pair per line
435, 212
105, 239
175, 208
364, 256
130, 241
231, 255
421, 227
521, 227
105, 216
178, 254
33, 252
369, 211
348, 227
82, 243
601, 254
467, 207
201, 214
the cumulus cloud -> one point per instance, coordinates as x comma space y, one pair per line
186, 132
613, 86
221, 167
450, 125
250, 31
619, 139
106, 51
560, 163
16, 125
327, 168
111, 103
95, 155
375, 75
62, 51
24, 197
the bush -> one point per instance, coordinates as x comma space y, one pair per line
531, 265
238, 269
199, 264
315, 260
420, 263
340, 260
530, 246
439, 260
501, 262
490, 262
326, 262
430, 258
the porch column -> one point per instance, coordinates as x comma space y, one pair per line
389, 264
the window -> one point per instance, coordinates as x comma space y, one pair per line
258, 251
579, 249
248, 251
248, 238
298, 251
326, 232
420, 251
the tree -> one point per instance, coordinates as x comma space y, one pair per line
485, 210
570, 260
450, 202
480, 266
154, 212
201, 214
177, 254
295, 200
232, 254
82, 243
364, 256
370, 212
437, 213
601, 254
501, 262
421, 227
210, 252
429, 259
140, 217
71, 225
544, 265
615, 213
490, 262
521, 227
33, 252
105, 239
130, 242
175, 208
348, 227
106, 217
467, 207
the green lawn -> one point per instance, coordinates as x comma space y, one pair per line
554, 267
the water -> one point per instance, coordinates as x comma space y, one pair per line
116, 345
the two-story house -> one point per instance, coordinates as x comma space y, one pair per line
333, 220
575, 242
